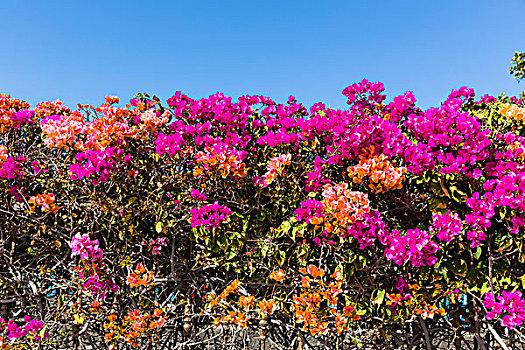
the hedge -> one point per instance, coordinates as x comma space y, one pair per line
218, 223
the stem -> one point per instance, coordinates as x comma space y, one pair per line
497, 337
425, 332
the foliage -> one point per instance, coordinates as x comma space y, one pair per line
517, 69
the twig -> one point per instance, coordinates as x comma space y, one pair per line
497, 337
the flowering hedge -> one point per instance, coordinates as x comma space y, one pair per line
202, 221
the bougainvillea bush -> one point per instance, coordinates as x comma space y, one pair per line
216, 223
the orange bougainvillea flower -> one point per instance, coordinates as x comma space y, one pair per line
343, 205
316, 292
513, 112
315, 220
46, 201
234, 286
383, 175
222, 159
112, 99
240, 320
340, 324
275, 168
267, 306
278, 275
140, 277
3, 153
305, 282
246, 302
140, 268
315, 272
157, 313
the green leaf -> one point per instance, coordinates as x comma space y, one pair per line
158, 227
264, 250
222, 242
485, 288
477, 253
437, 203
459, 267
380, 296
42, 332
284, 228
280, 257
230, 254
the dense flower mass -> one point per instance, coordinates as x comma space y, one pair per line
221, 158
415, 246
31, 328
210, 215
251, 213
446, 226
510, 306
382, 173
275, 168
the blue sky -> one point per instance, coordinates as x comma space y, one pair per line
80, 51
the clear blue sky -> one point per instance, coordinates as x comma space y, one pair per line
80, 51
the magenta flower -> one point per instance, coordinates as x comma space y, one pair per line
87, 249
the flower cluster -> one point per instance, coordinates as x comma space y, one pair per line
32, 333
446, 226
140, 277
3, 153
367, 230
13, 113
100, 162
14, 331
46, 201
317, 306
383, 175
151, 120
48, 108
173, 144
414, 246
11, 168
87, 249
248, 308
510, 306
136, 328
344, 205
364, 93
340, 209
92, 271
198, 195
210, 215
223, 159
401, 107
156, 244
513, 112
275, 168
233, 287
62, 131
278, 275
